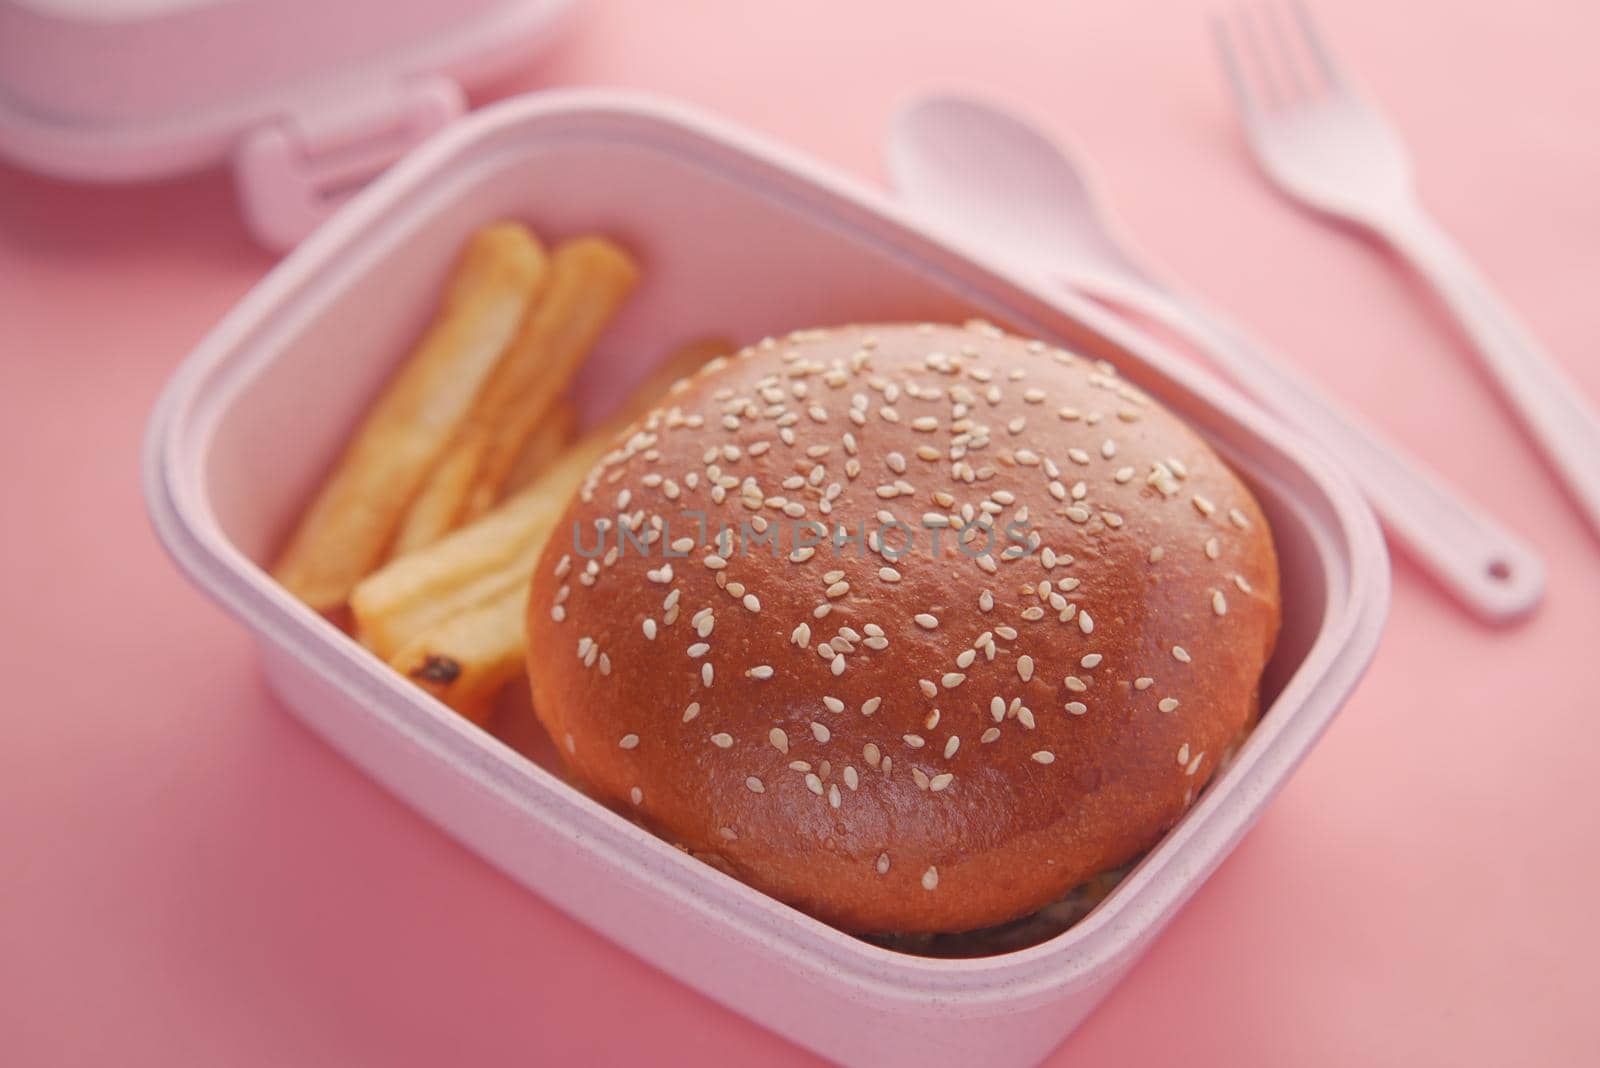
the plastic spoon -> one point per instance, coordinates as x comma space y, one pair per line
998, 184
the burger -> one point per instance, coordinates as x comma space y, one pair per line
916, 628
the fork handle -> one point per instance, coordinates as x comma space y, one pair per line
1483, 565
1562, 422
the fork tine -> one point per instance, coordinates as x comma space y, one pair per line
1281, 36
1250, 105
1255, 46
1314, 43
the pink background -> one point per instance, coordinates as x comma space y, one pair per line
186, 876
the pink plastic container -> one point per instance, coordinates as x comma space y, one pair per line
740, 237
307, 99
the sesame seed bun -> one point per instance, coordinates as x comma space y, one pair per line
889, 736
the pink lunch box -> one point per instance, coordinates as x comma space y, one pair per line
735, 236
304, 99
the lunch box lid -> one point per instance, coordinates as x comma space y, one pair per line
306, 99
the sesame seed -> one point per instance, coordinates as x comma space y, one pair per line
1025, 667
1237, 518
870, 705
1085, 623
1076, 708
1219, 603
1180, 654
888, 574
628, 741
699, 649
722, 740
926, 621
820, 732
1203, 505
833, 795
1213, 548
692, 711
930, 878
752, 602
636, 795
1044, 756
951, 746
1075, 684
997, 708
833, 704
883, 864
1194, 764
1183, 754
755, 785
1091, 661
871, 754
1143, 682
940, 781
1168, 704
706, 673
760, 671
989, 735
813, 783
913, 740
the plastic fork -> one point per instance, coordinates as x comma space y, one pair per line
1324, 145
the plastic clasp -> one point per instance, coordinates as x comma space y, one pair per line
292, 174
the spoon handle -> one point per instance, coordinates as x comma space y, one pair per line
1485, 566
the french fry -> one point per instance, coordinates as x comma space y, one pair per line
342, 536
547, 442
589, 279
466, 660
474, 564
422, 592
